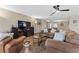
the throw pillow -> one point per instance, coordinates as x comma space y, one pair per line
4, 35
60, 36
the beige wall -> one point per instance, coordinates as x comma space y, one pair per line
9, 18
74, 25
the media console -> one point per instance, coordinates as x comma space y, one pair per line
24, 28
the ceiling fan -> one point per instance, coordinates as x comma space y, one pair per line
58, 9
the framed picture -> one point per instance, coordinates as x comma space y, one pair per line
61, 24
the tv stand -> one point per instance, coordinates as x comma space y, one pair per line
26, 31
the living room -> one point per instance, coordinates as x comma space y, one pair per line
39, 29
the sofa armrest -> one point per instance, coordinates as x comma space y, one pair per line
63, 46
12, 46
3, 43
20, 39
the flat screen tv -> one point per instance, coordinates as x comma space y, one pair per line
23, 24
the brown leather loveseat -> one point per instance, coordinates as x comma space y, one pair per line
3, 43
15, 45
71, 44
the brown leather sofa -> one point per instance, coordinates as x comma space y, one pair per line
3, 43
15, 45
71, 44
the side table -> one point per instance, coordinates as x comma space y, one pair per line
26, 46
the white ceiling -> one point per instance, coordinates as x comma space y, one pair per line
43, 11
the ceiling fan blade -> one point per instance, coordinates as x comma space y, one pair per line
65, 10
52, 13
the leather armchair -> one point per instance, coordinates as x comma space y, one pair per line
15, 45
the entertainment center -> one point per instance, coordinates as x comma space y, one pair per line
24, 28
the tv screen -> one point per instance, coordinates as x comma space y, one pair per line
23, 24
